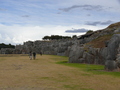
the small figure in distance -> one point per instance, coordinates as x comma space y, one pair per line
34, 55
30, 55
41, 53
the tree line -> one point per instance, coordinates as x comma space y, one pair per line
2, 45
55, 37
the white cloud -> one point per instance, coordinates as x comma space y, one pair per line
17, 34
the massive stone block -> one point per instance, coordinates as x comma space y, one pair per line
113, 47
76, 52
110, 65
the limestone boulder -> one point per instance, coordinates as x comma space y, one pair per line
110, 65
76, 53
113, 45
113, 50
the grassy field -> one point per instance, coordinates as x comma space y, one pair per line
49, 72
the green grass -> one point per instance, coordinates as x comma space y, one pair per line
2, 59
94, 69
82, 66
59, 58
72, 87
45, 78
75, 87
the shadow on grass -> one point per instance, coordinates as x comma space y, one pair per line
95, 69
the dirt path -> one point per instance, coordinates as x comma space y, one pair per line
19, 73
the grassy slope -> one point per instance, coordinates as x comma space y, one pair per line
49, 72
114, 25
100, 42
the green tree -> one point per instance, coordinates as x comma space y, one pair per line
55, 37
74, 36
90, 31
2, 45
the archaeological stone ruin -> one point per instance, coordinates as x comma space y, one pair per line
98, 47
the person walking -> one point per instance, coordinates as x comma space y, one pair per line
30, 55
34, 55
41, 53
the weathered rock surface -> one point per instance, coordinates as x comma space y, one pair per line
110, 65
107, 55
54, 47
112, 56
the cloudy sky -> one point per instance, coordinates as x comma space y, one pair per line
23, 20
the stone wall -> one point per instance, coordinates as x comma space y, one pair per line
54, 47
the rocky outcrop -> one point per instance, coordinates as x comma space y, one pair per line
110, 30
113, 53
110, 55
86, 54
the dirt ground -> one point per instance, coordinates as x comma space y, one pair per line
18, 72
